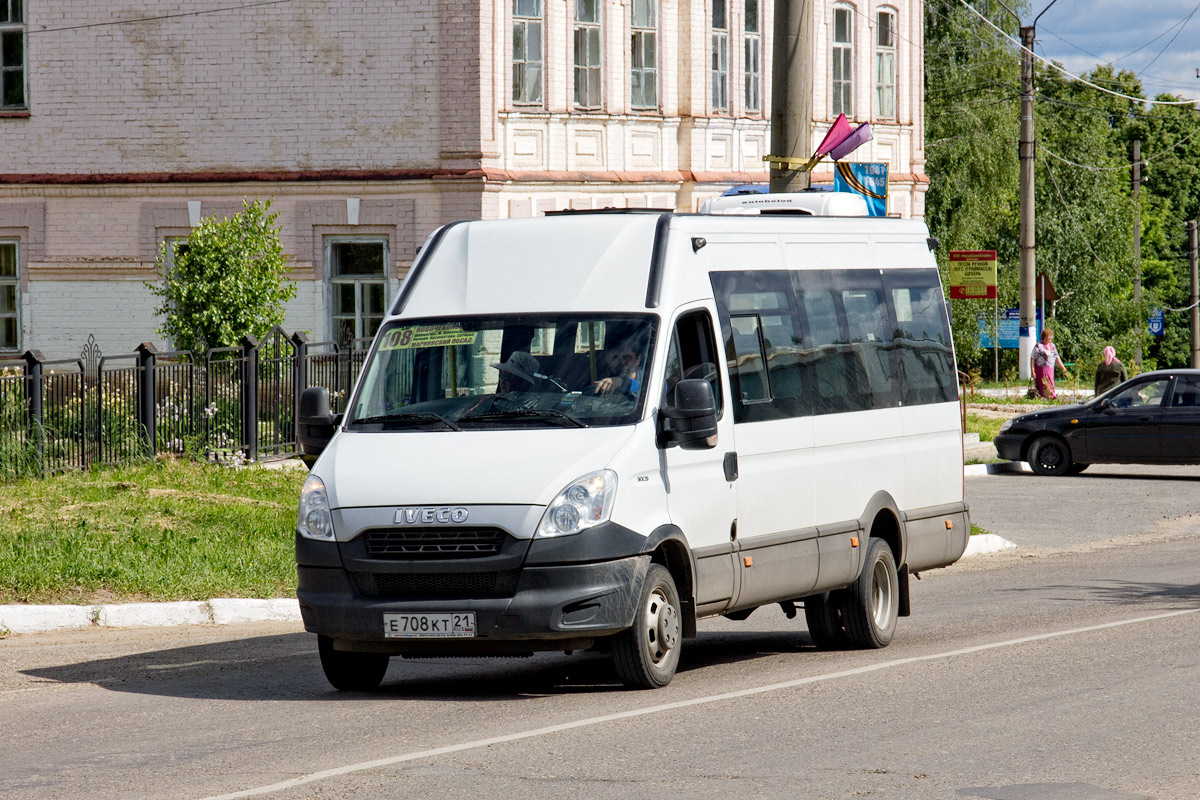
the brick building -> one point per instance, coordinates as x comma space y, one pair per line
371, 123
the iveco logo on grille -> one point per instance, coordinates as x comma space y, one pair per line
431, 515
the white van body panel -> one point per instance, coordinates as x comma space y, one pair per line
521, 467
597, 263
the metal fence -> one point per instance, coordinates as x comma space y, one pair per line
229, 404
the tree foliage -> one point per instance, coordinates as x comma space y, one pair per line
226, 280
1085, 210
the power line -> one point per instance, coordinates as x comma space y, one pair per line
1052, 65
1171, 41
161, 17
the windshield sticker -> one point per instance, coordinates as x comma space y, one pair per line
450, 335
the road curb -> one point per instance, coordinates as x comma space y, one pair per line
1000, 468
984, 543
218, 611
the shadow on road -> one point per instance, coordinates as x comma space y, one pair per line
1126, 593
286, 668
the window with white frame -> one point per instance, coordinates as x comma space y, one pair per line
885, 65
644, 55
10, 296
527, 52
12, 55
842, 73
587, 53
357, 269
720, 56
752, 57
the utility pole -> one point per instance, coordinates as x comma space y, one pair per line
1028, 238
1137, 246
1195, 312
791, 93
1027, 150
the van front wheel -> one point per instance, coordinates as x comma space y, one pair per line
351, 672
647, 654
872, 602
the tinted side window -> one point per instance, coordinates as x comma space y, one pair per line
693, 354
849, 351
763, 344
921, 337
1187, 392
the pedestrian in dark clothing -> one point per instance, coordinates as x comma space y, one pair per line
1111, 372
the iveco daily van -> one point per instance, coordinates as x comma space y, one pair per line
591, 430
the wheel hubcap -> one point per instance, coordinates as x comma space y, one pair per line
881, 595
662, 626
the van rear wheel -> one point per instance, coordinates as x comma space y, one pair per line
823, 613
351, 672
647, 654
872, 603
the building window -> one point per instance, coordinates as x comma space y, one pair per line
357, 284
644, 55
885, 65
753, 57
587, 53
527, 52
720, 57
12, 54
10, 293
843, 62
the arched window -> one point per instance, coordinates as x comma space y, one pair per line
885, 64
842, 72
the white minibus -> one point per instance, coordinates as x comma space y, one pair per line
591, 430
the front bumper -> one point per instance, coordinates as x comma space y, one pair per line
1009, 445
551, 607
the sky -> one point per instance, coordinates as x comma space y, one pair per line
1134, 34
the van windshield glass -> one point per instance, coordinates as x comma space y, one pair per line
545, 371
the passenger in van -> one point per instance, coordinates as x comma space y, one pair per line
514, 386
623, 361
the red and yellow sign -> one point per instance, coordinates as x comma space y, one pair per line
972, 274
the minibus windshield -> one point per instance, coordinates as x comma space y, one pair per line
545, 371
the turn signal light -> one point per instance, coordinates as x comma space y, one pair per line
949, 524
854, 541
748, 561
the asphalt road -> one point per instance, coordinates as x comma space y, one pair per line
1060, 671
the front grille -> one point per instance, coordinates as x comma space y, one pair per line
420, 543
436, 585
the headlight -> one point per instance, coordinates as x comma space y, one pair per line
585, 503
1005, 425
315, 521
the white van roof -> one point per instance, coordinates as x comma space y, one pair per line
818, 204
634, 260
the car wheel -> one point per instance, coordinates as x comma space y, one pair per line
1049, 455
872, 603
823, 613
351, 672
647, 654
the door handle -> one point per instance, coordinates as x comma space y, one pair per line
731, 467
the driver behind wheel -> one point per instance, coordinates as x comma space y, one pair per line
622, 361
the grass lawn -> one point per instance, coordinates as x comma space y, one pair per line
986, 427
167, 530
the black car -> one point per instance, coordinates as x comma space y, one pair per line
1153, 418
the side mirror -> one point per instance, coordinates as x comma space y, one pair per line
691, 422
1105, 404
317, 424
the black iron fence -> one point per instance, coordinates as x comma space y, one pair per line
229, 404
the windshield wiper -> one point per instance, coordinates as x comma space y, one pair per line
530, 413
419, 417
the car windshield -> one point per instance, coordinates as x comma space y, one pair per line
545, 371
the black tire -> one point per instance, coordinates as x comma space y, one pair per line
823, 613
872, 603
1049, 455
351, 672
1077, 468
647, 654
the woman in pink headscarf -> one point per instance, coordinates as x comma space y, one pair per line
1043, 359
1111, 372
